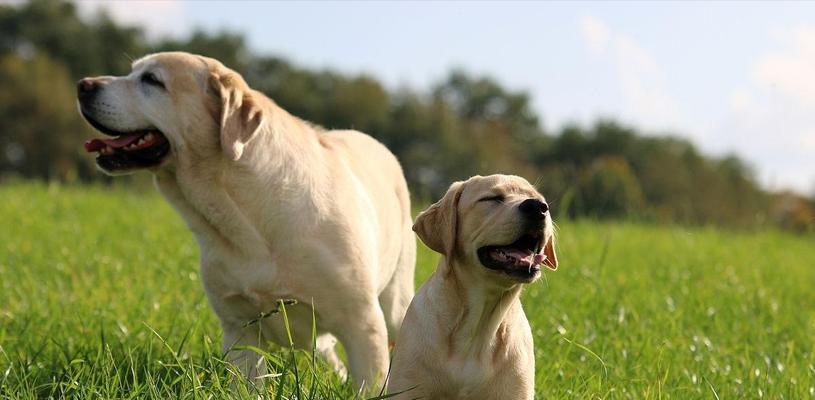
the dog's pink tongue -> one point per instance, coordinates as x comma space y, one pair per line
119, 142
526, 255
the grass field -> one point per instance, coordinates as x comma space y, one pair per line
100, 298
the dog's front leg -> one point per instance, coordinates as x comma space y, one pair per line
326, 346
365, 337
250, 364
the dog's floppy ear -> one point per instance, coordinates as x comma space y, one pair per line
437, 226
549, 251
239, 115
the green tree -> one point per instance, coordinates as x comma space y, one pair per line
41, 130
608, 188
55, 29
461, 126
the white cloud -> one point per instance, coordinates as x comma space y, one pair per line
159, 18
643, 85
791, 71
770, 120
742, 100
646, 100
808, 143
777, 136
595, 33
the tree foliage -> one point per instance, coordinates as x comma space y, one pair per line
461, 126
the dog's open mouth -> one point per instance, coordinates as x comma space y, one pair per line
128, 150
521, 259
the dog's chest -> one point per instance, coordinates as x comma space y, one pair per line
243, 285
469, 375
486, 374
479, 380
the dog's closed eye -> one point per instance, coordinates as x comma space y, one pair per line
150, 78
498, 198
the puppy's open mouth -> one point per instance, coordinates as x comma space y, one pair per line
521, 259
128, 150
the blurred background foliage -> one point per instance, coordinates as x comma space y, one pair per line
461, 126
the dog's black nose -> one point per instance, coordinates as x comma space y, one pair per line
86, 88
534, 208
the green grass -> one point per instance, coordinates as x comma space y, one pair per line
100, 298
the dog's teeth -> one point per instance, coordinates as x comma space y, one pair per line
140, 142
148, 137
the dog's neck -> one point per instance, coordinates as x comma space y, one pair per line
480, 311
284, 158
286, 150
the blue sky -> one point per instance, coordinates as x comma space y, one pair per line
732, 77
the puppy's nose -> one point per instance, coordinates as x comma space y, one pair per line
534, 208
85, 88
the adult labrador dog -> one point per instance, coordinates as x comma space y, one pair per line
465, 335
281, 209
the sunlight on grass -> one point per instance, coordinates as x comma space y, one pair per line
100, 298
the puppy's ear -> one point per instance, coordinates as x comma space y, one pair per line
239, 115
549, 251
437, 226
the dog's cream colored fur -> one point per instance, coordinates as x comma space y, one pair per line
280, 209
465, 335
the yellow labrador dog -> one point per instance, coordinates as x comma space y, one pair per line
280, 208
465, 335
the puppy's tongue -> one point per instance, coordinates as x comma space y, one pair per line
118, 142
533, 259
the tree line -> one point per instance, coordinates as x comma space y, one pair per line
462, 125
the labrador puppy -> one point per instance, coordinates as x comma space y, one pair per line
465, 335
281, 209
